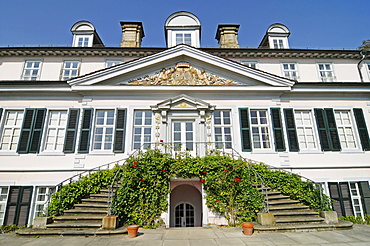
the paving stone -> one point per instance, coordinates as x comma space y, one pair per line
306, 238
336, 237
176, 243
229, 241
149, 243
203, 242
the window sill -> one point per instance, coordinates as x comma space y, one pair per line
352, 151
9, 153
51, 154
101, 153
264, 151
310, 152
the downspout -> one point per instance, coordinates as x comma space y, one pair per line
359, 63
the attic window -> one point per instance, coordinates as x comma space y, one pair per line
278, 44
183, 38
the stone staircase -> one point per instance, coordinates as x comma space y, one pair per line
85, 219
291, 215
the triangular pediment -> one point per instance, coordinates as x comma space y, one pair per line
181, 66
182, 102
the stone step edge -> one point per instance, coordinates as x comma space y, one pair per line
28, 232
74, 225
340, 225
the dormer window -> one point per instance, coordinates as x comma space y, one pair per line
182, 28
85, 35
276, 37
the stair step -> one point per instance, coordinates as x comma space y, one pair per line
297, 219
74, 226
91, 206
293, 213
289, 207
282, 201
95, 200
81, 211
79, 218
277, 197
99, 195
28, 232
296, 227
273, 193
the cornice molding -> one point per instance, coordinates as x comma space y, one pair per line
145, 51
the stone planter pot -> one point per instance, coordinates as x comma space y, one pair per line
248, 228
132, 230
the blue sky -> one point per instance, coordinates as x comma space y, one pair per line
313, 23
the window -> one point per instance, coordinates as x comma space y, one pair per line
326, 72
305, 130
278, 43
70, 69
251, 64
3, 199
260, 129
290, 71
42, 196
104, 126
110, 63
345, 129
356, 199
222, 127
11, 130
142, 129
83, 42
31, 70
55, 131
183, 38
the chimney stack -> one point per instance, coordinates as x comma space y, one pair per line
132, 34
227, 35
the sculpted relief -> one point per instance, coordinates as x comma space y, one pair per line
182, 74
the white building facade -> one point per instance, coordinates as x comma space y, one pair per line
67, 110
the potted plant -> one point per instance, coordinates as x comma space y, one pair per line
132, 230
248, 228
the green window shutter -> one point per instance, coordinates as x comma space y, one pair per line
85, 131
323, 133
119, 135
38, 126
71, 131
25, 135
365, 196
291, 129
245, 130
332, 129
362, 129
18, 205
340, 193
278, 129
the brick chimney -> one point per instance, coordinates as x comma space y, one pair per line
227, 35
132, 34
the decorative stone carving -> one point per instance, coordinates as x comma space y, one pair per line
182, 74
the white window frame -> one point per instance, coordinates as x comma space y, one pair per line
105, 126
139, 139
251, 64
4, 193
40, 205
30, 72
223, 125
70, 74
112, 62
356, 196
14, 138
305, 128
353, 128
183, 32
259, 126
288, 72
368, 69
59, 129
87, 41
324, 74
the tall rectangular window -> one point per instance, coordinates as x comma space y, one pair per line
104, 130
70, 69
11, 130
3, 198
55, 131
142, 129
260, 129
326, 72
305, 130
290, 71
345, 129
222, 127
183, 38
31, 70
42, 195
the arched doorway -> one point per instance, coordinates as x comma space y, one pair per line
185, 206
